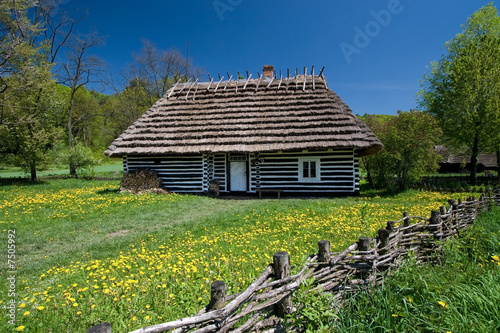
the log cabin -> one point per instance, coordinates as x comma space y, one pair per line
285, 134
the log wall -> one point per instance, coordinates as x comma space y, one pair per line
337, 171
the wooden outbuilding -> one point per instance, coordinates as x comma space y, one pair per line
288, 134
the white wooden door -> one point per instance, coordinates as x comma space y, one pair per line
238, 178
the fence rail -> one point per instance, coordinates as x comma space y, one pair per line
263, 305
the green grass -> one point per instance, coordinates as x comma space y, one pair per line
462, 294
111, 169
86, 253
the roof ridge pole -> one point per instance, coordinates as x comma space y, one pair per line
210, 83
196, 90
184, 86
321, 72
312, 74
287, 78
221, 78
258, 82
304, 85
326, 83
190, 89
272, 79
248, 79
296, 82
281, 80
237, 81
171, 91
227, 82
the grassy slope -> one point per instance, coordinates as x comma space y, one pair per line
65, 226
462, 294
111, 169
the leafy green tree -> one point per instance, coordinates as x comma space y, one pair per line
409, 139
79, 70
26, 133
463, 89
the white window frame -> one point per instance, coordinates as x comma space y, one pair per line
314, 176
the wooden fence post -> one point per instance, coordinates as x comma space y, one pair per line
435, 222
364, 243
406, 222
383, 238
101, 328
435, 217
218, 292
391, 226
323, 251
281, 263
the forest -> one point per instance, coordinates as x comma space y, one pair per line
59, 104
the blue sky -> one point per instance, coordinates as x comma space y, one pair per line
374, 52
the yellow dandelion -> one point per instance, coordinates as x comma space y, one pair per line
40, 307
443, 304
26, 313
22, 305
19, 328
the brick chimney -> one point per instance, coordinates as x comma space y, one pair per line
268, 70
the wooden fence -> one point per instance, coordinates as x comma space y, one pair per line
263, 305
453, 184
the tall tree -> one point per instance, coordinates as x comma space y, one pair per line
26, 132
463, 89
409, 139
79, 69
161, 69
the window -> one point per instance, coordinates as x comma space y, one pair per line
237, 157
309, 170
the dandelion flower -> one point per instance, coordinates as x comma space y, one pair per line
20, 328
443, 304
26, 313
40, 307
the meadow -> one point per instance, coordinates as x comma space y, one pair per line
85, 253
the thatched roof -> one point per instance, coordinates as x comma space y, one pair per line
246, 115
487, 160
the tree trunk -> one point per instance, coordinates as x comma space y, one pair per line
367, 168
72, 167
473, 162
498, 166
33, 170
